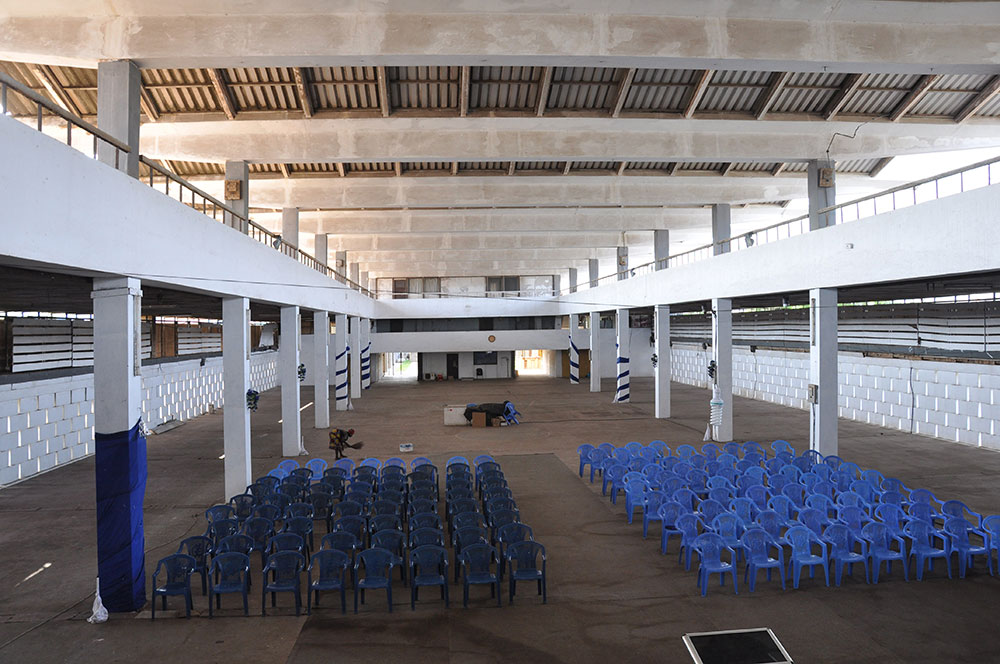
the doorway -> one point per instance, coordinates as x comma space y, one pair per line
452, 366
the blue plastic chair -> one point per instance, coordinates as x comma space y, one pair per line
378, 565
288, 465
660, 447
685, 497
259, 529
200, 548
880, 549
688, 525
956, 509
464, 537
282, 574
893, 517
219, 513
842, 550
668, 513
585, 451
922, 536
330, 567
728, 526
478, 562
784, 506
709, 509
782, 446
772, 523
303, 527
615, 477
651, 509
814, 519
854, 518
510, 414
425, 537
756, 545
822, 503
710, 547
178, 569
395, 541
991, 526
221, 529
317, 466
758, 494
230, 573
958, 531
522, 562
428, 567
745, 510
801, 539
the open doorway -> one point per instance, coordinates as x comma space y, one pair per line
529, 363
399, 366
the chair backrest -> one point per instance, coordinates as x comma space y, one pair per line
394, 462
220, 512
321, 503
501, 503
351, 524
756, 542
385, 507
758, 494
660, 447
304, 473
743, 508
198, 547
514, 532
796, 492
893, 484
991, 525
892, 516
285, 565
372, 462
833, 461
863, 489
771, 522
419, 461
820, 502
237, 543
341, 541
849, 498
685, 497
685, 451
478, 557
329, 564
709, 546
345, 464
525, 554
501, 518
427, 557
920, 532
391, 539
955, 509
876, 533
709, 509
824, 489
377, 563
669, 513
259, 490
688, 524
783, 505
922, 511
348, 508
286, 541
288, 465
958, 532
726, 524
711, 450
230, 567
813, 519
840, 537
424, 536
782, 446
800, 539
317, 466
269, 481
299, 509
421, 506
463, 537
223, 528
425, 520
733, 449
853, 517
178, 568
259, 528
379, 522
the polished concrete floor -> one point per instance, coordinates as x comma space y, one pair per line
612, 596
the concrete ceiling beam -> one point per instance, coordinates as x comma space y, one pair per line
460, 242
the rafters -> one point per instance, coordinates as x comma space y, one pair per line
511, 167
463, 92
284, 170
383, 91
341, 169
698, 91
304, 90
774, 88
623, 88
982, 98
148, 104
621, 167
847, 88
728, 168
55, 89
543, 91
566, 167
398, 168
223, 93
879, 165
454, 168
922, 87
777, 170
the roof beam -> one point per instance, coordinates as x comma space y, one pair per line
223, 93
774, 88
727, 168
922, 87
882, 163
848, 87
341, 169
398, 168
284, 170
698, 91
623, 88
454, 168
621, 167
566, 167
511, 167
383, 91
148, 104
980, 100
55, 89
463, 92
777, 170
305, 94
543, 91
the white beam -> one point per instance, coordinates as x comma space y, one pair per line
321, 369
236, 382
595, 351
661, 372
823, 370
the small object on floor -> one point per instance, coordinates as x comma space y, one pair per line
406, 447
98, 613
737, 646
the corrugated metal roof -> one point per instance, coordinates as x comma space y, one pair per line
370, 167
344, 88
648, 165
716, 166
423, 87
583, 88
262, 88
181, 90
950, 94
426, 166
660, 90
796, 167
879, 94
483, 166
807, 92
192, 168
540, 165
504, 87
856, 165
264, 168
323, 167
753, 166
990, 109
595, 165
734, 91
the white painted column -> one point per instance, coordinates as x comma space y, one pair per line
118, 86
661, 373
572, 279
595, 350
366, 352
321, 248
594, 270
117, 354
661, 248
623, 344
363, 279
321, 369
721, 228
822, 189
240, 171
340, 264
340, 362
556, 284
355, 272
354, 341
290, 226
574, 350
621, 264
235, 383
288, 373
722, 353
823, 370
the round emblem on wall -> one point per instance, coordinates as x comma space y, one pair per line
491, 338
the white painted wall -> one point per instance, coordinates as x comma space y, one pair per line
45, 423
454, 342
437, 363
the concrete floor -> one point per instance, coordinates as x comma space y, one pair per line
612, 596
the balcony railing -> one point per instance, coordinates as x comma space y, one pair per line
160, 178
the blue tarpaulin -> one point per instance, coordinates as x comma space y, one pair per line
121, 486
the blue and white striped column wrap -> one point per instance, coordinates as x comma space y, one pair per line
622, 391
366, 367
340, 378
574, 362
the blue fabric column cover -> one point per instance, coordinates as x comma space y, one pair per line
366, 367
340, 378
574, 362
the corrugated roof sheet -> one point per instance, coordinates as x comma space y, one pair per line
344, 88
879, 94
807, 92
582, 88
660, 90
262, 88
504, 87
423, 87
734, 91
950, 94
181, 90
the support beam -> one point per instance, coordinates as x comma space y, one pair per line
288, 376
572, 280
982, 98
463, 91
621, 262
321, 369
290, 226
240, 171
340, 362
56, 91
544, 85
594, 271
454, 168
821, 196
574, 350
727, 169
779, 169
847, 88
823, 370
340, 266
771, 94
354, 341
148, 104
383, 91
321, 250
511, 167
284, 170
662, 370
304, 88
118, 84
566, 167
397, 168
235, 383
661, 248
623, 343
223, 93
698, 89
721, 228
911, 99
621, 168
722, 353
622, 95
595, 350
879, 165
341, 169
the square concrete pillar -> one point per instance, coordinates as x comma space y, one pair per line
623, 336
118, 86
235, 383
572, 279
290, 226
117, 354
321, 369
340, 362
239, 171
321, 249
593, 270
556, 284
288, 375
574, 350
661, 248
823, 370
822, 189
722, 353
621, 263
355, 272
354, 341
721, 228
340, 265
595, 350
661, 373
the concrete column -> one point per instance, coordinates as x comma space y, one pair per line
240, 171
595, 349
661, 248
366, 352
821, 196
354, 341
118, 85
340, 264
621, 263
823, 370
355, 272
117, 354
574, 350
721, 228
340, 362
322, 248
661, 373
594, 270
556, 284
722, 353
572, 279
290, 226
321, 368
623, 344
288, 375
235, 383
363, 279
